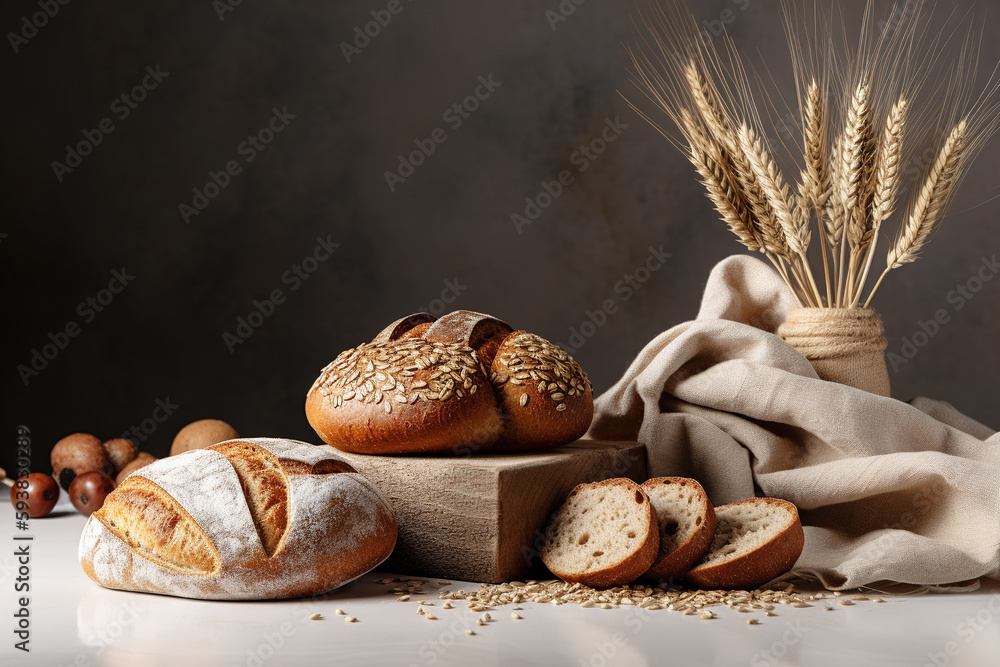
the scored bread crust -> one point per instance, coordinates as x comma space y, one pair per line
674, 563
185, 526
768, 561
628, 568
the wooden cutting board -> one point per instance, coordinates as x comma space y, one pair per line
480, 518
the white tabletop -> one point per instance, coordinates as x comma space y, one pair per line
73, 621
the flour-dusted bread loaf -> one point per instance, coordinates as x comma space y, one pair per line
249, 519
603, 535
464, 382
686, 522
756, 540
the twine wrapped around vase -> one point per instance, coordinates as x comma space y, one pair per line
844, 345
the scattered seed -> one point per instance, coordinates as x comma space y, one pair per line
515, 616
446, 605
480, 621
706, 616
316, 617
430, 617
403, 598
350, 619
753, 621
444, 583
847, 603
486, 617
339, 612
470, 632
878, 600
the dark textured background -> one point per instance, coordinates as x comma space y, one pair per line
161, 338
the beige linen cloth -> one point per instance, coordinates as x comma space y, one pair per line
887, 491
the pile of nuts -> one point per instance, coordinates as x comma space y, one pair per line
89, 469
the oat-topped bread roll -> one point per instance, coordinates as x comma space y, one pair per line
463, 382
250, 519
404, 396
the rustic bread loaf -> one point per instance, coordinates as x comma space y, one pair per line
249, 519
421, 386
603, 535
755, 541
686, 522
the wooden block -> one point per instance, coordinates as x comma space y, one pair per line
480, 518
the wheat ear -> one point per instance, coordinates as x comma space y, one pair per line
886, 182
708, 104
851, 174
928, 210
795, 234
814, 189
717, 179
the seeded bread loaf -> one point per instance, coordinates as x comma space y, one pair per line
756, 540
249, 519
686, 522
603, 535
464, 382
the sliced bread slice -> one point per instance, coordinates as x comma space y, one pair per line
755, 541
686, 521
603, 535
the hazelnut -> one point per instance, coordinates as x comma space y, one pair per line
140, 461
88, 491
121, 452
76, 454
201, 434
38, 492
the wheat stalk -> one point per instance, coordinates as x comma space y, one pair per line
854, 148
794, 234
886, 182
814, 183
728, 200
928, 210
710, 107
